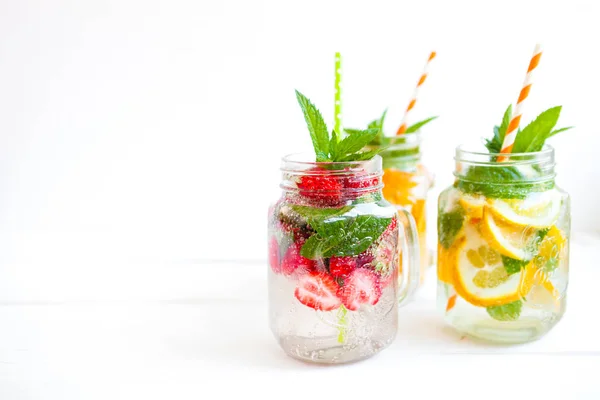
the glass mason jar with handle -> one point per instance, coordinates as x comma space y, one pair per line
333, 254
406, 184
503, 246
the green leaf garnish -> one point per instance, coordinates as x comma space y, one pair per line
331, 148
313, 213
533, 136
506, 312
343, 237
512, 265
355, 142
415, 127
555, 131
380, 138
498, 182
495, 145
316, 127
378, 124
449, 224
333, 144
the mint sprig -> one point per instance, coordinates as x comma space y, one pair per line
380, 138
532, 137
495, 145
343, 237
333, 148
316, 127
418, 125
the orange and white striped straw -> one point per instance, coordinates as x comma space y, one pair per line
413, 99
513, 126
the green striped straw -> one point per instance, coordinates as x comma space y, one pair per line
338, 94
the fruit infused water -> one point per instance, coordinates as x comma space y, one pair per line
334, 245
503, 238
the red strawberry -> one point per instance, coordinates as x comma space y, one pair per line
361, 180
361, 287
318, 290
274, 255
321, 185
293, 260
341, 267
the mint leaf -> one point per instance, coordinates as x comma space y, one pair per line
555, 131
343, 237
504, 125
512, 265
365, 155
415, 127
506, 312
495, 145
333, 144
316, 127
355, 142
378, 124
449, 225
317, 246
533, 136
498, 182
320, 213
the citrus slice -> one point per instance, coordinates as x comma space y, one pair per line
539, 210
479, 275
511, 241
553, 244
445, 263
473, 205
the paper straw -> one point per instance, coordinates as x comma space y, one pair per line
338, 94
413, 99
513, 126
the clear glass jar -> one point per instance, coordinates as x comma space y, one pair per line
406, 183
503, 246
333, 253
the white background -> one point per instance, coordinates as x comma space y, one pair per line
149, 131
139, 151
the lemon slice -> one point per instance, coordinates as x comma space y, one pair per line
552, 245
473, 205
539, 210
511, 241
480, 277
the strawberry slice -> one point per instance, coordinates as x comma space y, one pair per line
362, 286
318, 290
341, 267
293, 261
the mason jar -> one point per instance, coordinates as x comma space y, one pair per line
503, 246
334, 245
406, 184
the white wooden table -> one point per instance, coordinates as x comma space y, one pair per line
192, 330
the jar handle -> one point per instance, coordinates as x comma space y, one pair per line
411, 259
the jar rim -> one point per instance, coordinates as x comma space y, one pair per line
464, 149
